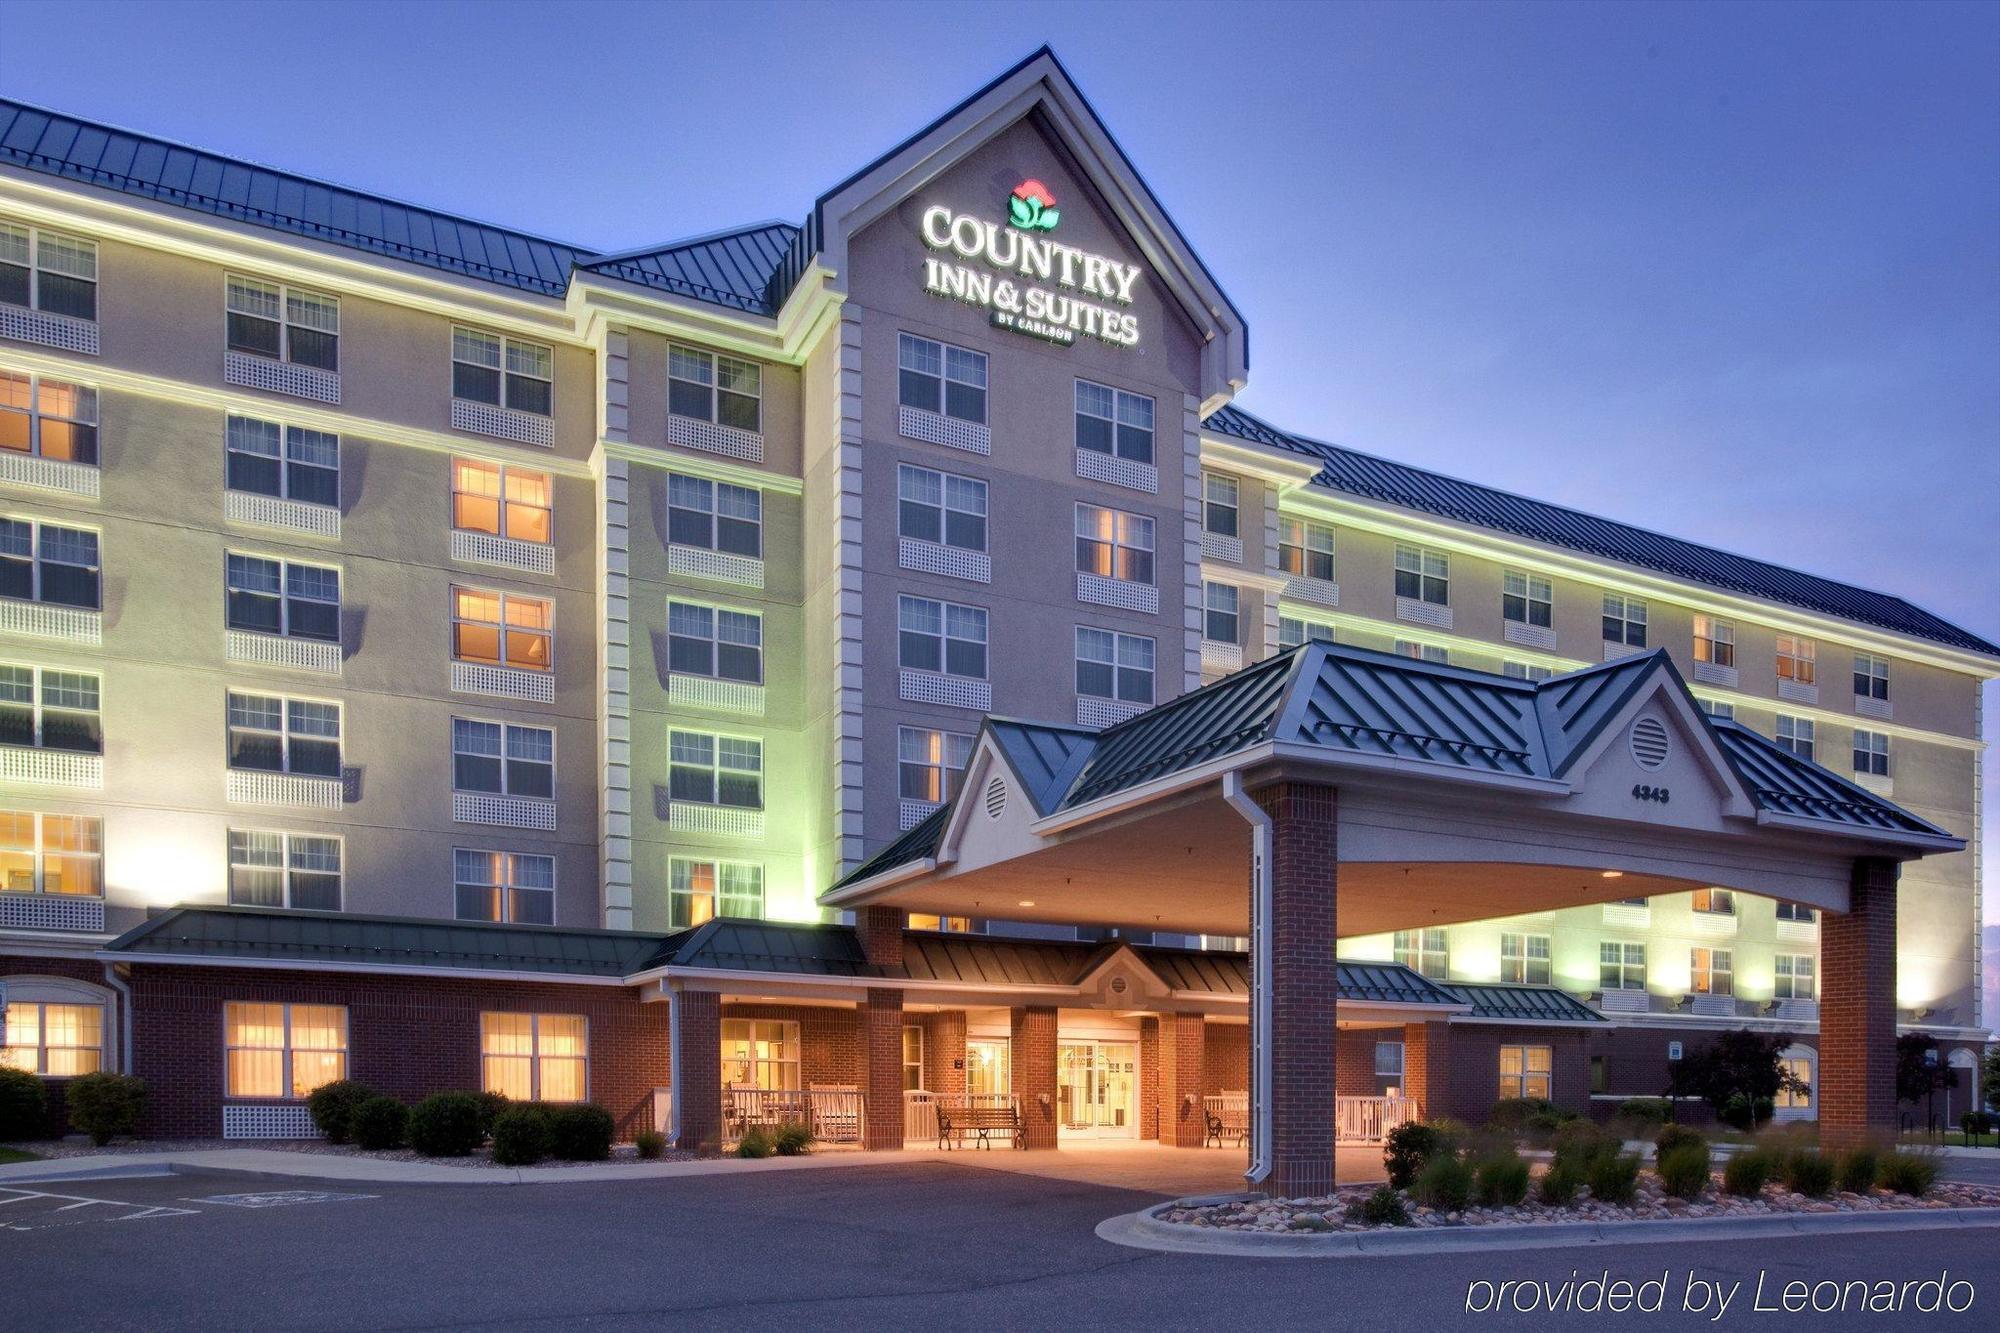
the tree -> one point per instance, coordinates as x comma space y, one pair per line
1740, 1067
1989, 1081
1920, 1069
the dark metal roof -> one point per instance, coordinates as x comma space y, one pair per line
738, 945
734, 268
1579, 704
1044, 756
1383, 704
953, 956
1468, 502
1783, 783
916, 844
1547, 1004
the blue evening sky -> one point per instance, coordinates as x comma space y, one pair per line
1731, 271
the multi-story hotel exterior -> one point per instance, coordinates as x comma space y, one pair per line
366, 566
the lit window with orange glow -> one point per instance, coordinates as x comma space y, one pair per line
535, 1057
54, 1039
51, 854
502, 629
283, 1050
502, 501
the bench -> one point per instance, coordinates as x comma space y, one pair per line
985, 1122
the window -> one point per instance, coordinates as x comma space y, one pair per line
941, 636
1600, 1074
289, 462
988, 1068
1795, 734
1422, 652
54, 1039
1790, 1097
284, 323
932, 921
1871, 677
50, 709
940, 508
48, 271
1527, 599
1524, 1071
1524, 959
716, 642
1714, 641
513, 887
1526, 671
1113, 544
58, 855
715, 388
760, 1053
1708, 972
1220, 622
48, 418
279, 597
1292, 633
503, 372
1424, 950
1621, 966
277, 735
502, 629
937, 377
502, 758
1624, 620
699, 891
1716, 902
931, 764
534, 1057
1794, 977
1114, 666
1871, 754
1796, 912
1388, 1059
1219, 504
1797, 659
715, 516
1423, 576
1727, 712
283, 1050
501, 501
40, 562
1112, 421
913, 1058
297, 870
1305, 550
715, 770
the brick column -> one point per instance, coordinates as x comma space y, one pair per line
882, 1052
1149, 1078
1427, 1067
1303, 986
944, 1055
1181, 1040
880, 930
1857, 1011
696, 1019
1034, 1057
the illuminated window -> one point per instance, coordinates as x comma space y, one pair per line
1796, 1096
1220, 621
721, 389
284, 323
1871, 677
989, 1074
1422, 652
1305, 549
281, 597
54, 1039
297, 870
930, 921
716, 770
534, 1057
715, 516
716, 642
1794, 977
931, 764
502, 629
288, 462
937, 377
514, 887
60, 855
1714, 641
760, 1053
1796, 912
1621, 966
1388, 1059
278, 735
1524, 959
941, 508
1709, 972
941, 636
503, 758
42, 562
1797, 659
1871, 754
48, 418
510, 502
1292, 633
1624, 620
502, 372
50, 710
1526, 671
1220, 498
48, 271
699, 891
913, 1058
1114, 544
1423, 576
1796, 734
283, 1050
1525, 1071
1527, 599
1425, 950
1112, 421
1114, 666
1718, 902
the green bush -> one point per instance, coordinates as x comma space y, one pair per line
1740, 1112
332, 1106
793, 1139
1445, 1184
1560, 1183
1582, 1142
24, 1107
1532, 1118
1684, 1170
1643, 1114
1614, 1177
1810, 1173
1911, 1173
1746, 1173
579, 1132
521, 1136
1975, 1123
492, 1105
1385, 1207
106, 1105
1859, 1169
1676, 1136
754, 1143
1408, 1147
447, 1125
650, 1143
379, 1123
1502, 1180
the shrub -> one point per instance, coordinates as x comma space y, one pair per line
579, 1132
1911, 1173
521, 1136
1859, 1169
1676, 1136
106, 1105
1560, 1183
1502, 1180
1614, 1177
1810, 1173
1975, 1123
447, 1125
332, 1106
1746, 1173
1740, 1112
492, 1105
379, 1123
1408, 1147
1582, 1142
24, 1107
1445, 1184
1385, 1207
1644, 1114
650, 1143
1532, 1118
1684, 1170
793, 1139
754, 1143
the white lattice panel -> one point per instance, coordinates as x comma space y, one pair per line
1869, 706
1636, 915
471, 807
1797, 932
1881, 786
60, 331
51, 768
1215, 546
1419, 612
483, 548
909, 814
1121, 593
1798, 693
1623, 1002
1712, 925
933, 687
723, 820
696, 563
298, 790
1614, 651
261, 372
933, 428
68, 624
1319, 592
710, 438
52, 911
504, 682
1104, 712
1223, 657
48, 474
1713, 1006
258, 1120
268, 511
276, 650
1798, 1011
950, 561
1708, 673
1093, 466
724, 696
1533, 636
502, 423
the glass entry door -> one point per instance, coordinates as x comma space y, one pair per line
1097, 1086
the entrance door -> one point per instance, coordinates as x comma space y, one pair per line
1097, 1088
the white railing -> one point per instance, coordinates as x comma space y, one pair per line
48, 474
920, 1123
269, 511
502, 423
1369, 1119
834, 1114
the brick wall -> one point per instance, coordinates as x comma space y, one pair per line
1857, 1010
55, 1091
1304, 987
1225, 1065
1034, 1057
1149, 1078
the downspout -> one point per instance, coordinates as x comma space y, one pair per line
124, 989
1260, 975
674, 1069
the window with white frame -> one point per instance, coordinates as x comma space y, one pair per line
1305, 549
1714, 641
1114, 666
273, 869
500, 501
716, 642
699, 891
721, 389
514, 887
503, 758
1871, 754
57, 855
1524, 959
1527, 599
760, 1053
1796, 912
1621, 966
913, 1057
715, 770
1292, 633
931, 764
277, 735
283, 1050
1388, 1059
1716, 708
1112, 421
534, 1057
502, 629
1796, 1096
1709, 971
1871, 677
50, 709
1114, 544
941, 636
1715, 902
48, 418
1624, 620
1793, 977
288, 462
1797, 735
284, 323
1425, 950
1525, 1071
503, 372
1423, 576
715, 516
1221, 620
941, 508
1797, 659
280, 597
1422, 652
48, 271
1219, 504
1526, 671
48, 563
937, 377
57, 1040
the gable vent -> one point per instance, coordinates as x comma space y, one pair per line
996, 798
1650, 745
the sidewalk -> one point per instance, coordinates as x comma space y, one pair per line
331, 1166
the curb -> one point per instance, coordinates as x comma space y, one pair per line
1146, 1230
91, 1173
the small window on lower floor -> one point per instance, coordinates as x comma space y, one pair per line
699, 891
1525, 1071
760, 1053
535, 1057
504, 886
54, 1039
913, 1058
283, 1050
929, 921
1600, 1074
1388, 1059
297, 870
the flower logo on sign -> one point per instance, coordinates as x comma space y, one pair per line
1032, 208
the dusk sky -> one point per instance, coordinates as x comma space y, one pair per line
1732, 272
